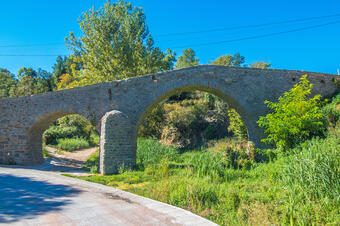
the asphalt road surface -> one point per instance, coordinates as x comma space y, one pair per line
31, 196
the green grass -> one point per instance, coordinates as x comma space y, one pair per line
231, 184
72, 144
284, 191
92, 163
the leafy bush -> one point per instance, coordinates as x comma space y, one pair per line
54, 133
69, 126
94, 139
71, 144
153, 123
294, 118
332, 111
236, 125
185, 124
187, 120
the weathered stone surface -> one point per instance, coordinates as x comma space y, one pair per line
23, 120
117, 149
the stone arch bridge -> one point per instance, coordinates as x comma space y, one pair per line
119, 107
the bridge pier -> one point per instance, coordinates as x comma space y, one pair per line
117, 146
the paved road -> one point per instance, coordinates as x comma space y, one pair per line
35, 197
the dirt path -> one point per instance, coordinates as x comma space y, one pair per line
63, 161
78, 156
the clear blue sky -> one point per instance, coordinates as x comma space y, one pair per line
32, 22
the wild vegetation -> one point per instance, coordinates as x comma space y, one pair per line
231, 182
190, 154
71, 133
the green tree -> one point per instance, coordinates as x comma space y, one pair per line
261, 65
236, 125
229, 60
294, 118
115, 44
187, 59
7, 82
32, 81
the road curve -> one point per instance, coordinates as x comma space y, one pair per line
34, 197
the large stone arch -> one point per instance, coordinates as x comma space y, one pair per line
232, 103
119, 133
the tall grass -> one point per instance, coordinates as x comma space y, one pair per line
72, 144
311, 177
150, 151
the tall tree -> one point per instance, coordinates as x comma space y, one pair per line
7, 82
187, 59
115, 44
229, 60
32, 81
262, 65
64, 65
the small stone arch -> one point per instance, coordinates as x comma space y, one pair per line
34, 133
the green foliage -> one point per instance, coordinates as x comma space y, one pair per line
92, 163
32, 82
53, 133
228, 60
72, 144
301, 189
193, 193
115, 44
187, 59
185, 124
167, 121
150, 152
71, 126
294, 118
261, 65
7, 83
153, 123
332, 111
209, 164
236, 125
311, 178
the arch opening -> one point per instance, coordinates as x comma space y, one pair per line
216, 95
208, 112
67, 137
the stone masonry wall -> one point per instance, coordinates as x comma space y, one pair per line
23, 120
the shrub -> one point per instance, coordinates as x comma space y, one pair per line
94, 140
236, 125
54, 133
69, 126
332, 111
187, 120
71, 144
185, 124
294, 118
239, 153
153, 123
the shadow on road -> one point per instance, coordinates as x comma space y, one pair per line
24, 198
